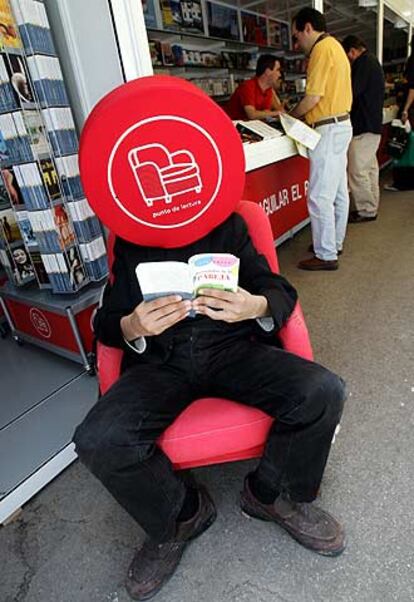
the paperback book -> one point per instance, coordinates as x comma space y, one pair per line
205, 270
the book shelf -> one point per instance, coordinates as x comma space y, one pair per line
215, 45
48, 233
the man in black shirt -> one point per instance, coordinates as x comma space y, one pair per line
172, 359
368, 89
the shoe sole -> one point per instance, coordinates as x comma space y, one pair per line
319, 269
331, 553
154, 592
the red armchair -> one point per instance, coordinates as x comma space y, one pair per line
161, 175
211, 430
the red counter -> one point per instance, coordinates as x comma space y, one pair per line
281, 189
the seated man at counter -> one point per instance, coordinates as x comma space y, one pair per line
256, 98
170, 360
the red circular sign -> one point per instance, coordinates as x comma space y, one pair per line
160, 162
40, 322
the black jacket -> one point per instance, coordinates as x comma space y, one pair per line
230, 237
368, 90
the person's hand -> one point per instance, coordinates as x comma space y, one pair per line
229, 306
151, 318
404, 116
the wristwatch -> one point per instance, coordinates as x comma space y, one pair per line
138, 345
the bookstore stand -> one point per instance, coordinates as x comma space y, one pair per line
53, 254
59, 324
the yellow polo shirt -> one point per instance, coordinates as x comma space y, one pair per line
329, 76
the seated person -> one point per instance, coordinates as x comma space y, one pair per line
256, 98
171, 359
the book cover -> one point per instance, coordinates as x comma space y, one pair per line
4, 195
22, 266
37, 133
9, 229
4, 151
75, 268
64, 227
26, 229
9, 36
39, 269
205, 270
12, 186
254, 28
50, 178
19, 79
148, 8
222, 21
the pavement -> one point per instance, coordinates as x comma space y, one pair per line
73, 543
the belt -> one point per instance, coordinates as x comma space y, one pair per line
328, 120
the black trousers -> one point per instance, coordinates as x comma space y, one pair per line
116, 441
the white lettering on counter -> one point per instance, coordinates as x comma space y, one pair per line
283, 197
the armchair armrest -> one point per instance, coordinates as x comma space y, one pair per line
294, 335
182, 156
108, 365
150, 180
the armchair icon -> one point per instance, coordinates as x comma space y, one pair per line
161, 175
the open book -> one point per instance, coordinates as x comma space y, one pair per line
304, 136
255, 131
205, 270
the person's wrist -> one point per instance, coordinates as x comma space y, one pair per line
130, 328
261, 309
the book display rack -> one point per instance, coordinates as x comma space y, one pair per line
48, 233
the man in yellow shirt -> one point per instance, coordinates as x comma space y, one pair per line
325, 107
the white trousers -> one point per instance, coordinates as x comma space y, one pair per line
363, 173
328, 198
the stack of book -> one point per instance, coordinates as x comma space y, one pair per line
47, 80
33, 26
16, 138
61, 128
47, 228
8, 100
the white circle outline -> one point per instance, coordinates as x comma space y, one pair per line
144, 122
38, 330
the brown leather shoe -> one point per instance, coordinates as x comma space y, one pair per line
314, 264
311, 250
155, 563
309, 525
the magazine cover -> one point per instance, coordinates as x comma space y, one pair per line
254, 28
22, 266
8, 226
222, 21
9, 36
50, 178
64, 227
37, 132
8, 178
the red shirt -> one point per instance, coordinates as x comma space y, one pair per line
249, 93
